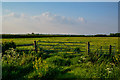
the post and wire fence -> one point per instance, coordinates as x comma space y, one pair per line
82, 47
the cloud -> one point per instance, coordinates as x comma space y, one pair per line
53, 18
13, 15
51, 23
43, 23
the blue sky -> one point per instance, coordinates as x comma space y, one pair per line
60, 0
60, 17
0, 18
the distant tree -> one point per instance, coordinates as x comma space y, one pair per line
114, 35
32, 33
100, 35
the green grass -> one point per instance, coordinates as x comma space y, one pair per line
60, 65
57, 66
96, 41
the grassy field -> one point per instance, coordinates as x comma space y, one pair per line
96, 41
61, 65
103, 40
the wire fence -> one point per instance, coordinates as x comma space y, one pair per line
62, 46
71, 47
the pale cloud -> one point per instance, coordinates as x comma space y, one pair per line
50, 23
13, 15
43, 23
53, 18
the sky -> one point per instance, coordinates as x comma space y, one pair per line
60, 17
0, 18
60, 0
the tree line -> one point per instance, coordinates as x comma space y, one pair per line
55, 35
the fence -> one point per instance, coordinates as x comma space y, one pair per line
68, 46
62, 46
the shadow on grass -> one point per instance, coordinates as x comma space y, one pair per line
66, 76
15, 72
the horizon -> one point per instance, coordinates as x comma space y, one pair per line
53, 34
78, 18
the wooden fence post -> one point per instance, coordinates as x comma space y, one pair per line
35, 44
88, 47
110, 49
